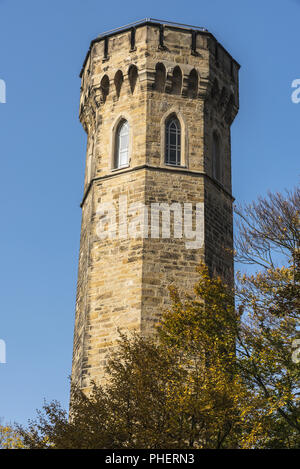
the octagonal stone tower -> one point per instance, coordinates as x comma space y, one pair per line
157, 102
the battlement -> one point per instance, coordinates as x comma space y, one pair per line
191, 34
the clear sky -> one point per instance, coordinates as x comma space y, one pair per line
42, 147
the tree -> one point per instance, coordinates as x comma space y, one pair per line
9, 438
216, 375
268, 228
221, 410
269, 301
179, 390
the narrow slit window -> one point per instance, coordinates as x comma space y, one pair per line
173, 142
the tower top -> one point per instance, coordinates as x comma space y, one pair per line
194, 30
152, 21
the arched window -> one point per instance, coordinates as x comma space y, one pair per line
118, 82
216, 157
104, 86
133, 76
160, 77
176, 80
173, 141
193, 84
122, 145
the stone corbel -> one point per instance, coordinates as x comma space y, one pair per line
97, 97
185, 85
83, 117
147, 79
204, 88
169, 80
126, 83
230, 112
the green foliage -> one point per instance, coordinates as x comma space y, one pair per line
269, 302
176, 391
216, 375
9, 438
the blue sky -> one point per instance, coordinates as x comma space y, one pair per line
42, 147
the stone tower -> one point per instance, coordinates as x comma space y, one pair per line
157, 102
